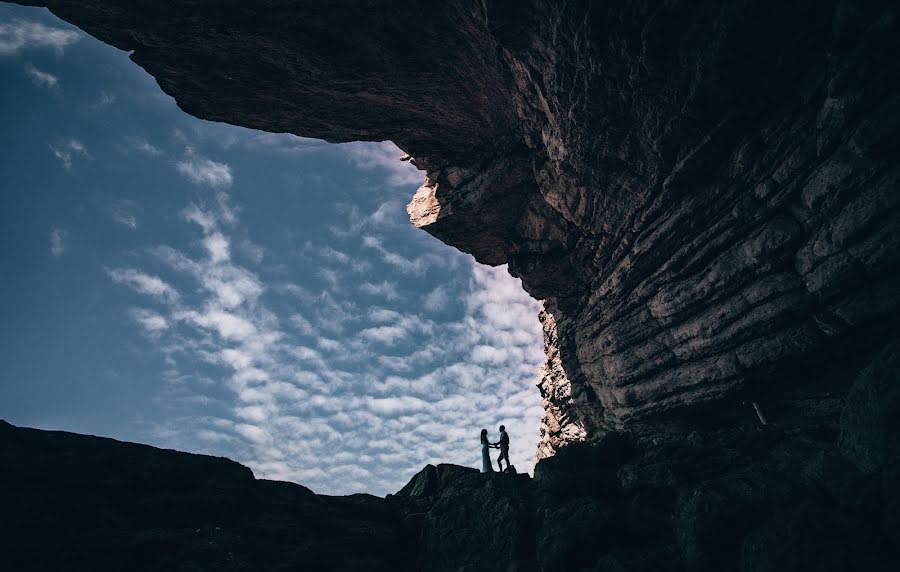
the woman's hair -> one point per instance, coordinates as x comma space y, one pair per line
484, 436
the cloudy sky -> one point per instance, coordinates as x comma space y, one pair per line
214, 289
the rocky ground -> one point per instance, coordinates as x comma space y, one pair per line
701, 498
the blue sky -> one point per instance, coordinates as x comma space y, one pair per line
215, 289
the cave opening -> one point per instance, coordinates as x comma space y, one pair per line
227, 291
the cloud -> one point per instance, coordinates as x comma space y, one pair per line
389, 215
416, 266
41, 78
385, 289
105, 98
143, 146
66, 150
371, 391
21, 35
151, 321
384, 157
122, 212
217, 246
436, 300
58, 239
387, 335
143, 283
202, 171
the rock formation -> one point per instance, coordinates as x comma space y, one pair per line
733, 498
703, 192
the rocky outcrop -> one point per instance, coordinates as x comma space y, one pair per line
74, 502
704, 193
747, 498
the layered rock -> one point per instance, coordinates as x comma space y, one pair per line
705, 193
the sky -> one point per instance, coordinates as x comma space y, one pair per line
213, 289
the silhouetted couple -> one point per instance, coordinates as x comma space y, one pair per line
486, 446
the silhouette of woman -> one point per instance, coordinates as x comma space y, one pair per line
486, 466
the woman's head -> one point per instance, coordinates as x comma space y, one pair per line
484, 435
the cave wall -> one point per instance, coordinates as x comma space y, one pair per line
704, 193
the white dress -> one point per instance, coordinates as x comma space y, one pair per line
486, 466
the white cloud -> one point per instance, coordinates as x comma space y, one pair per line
21, 35
385, 289
150, 320
67, 149
142, 145
303, 325
122, 212
105, 98
143, 283
202, 171
228, 325
218, 247
437, 299
58, 239
297, 371
387, 335
41, 78
416, 266
384, 156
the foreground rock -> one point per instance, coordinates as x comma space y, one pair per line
748, 497
73, 502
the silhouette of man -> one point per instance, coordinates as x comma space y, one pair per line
503, 443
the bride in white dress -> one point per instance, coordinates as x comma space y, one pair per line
486, 466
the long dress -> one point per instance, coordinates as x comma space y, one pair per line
486, 466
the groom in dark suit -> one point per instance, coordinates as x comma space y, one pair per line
503, 443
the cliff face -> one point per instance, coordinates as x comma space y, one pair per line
704, 193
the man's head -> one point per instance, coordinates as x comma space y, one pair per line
502, 428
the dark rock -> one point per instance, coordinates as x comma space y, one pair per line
870, 421
79, 502
485, 524
810, 539
584, 469
73, 502
573, 535
433, 480
711, 518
